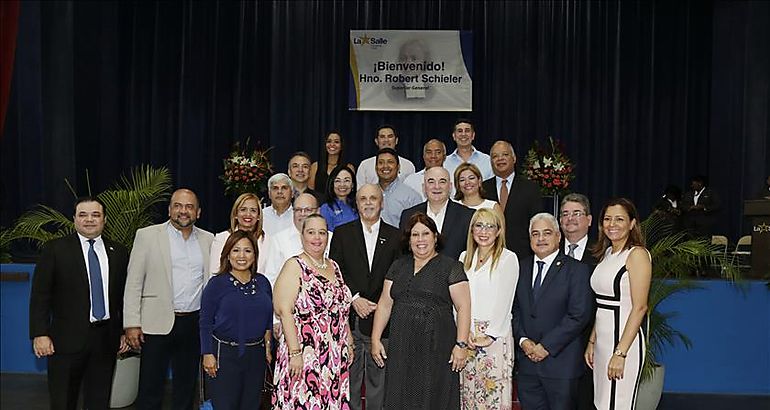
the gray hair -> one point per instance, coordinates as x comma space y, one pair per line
434, 140
544, 216
506, 143
278, 178
579, 198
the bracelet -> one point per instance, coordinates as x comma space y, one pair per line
593, 342
295, 353
619, 353
461, 344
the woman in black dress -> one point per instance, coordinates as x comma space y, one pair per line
332, 155
427, 350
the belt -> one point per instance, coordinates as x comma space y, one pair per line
99, 323
259, 342
183, 314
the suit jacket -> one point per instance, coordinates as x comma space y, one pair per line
587, 258
700, 221
348, 249
556, 320
60, 303
524, 201
149, 296
454, 233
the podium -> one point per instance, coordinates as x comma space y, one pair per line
758, 212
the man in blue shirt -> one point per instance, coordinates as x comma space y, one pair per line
463, 134
396, 195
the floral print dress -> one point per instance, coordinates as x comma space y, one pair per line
321, 316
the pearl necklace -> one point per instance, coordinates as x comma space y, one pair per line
315, 262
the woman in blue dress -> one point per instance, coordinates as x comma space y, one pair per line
236, 318
340, 205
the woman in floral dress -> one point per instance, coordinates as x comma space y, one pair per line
493, 272
316, 346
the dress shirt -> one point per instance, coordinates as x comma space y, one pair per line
492, 293
415, 181
696, 195
186, 270
478, 158
367, 172
370, 239
437, 217
338, 214
672, 202
104, 266
548, 261
499, 184
273, 223
579, 251
395, 198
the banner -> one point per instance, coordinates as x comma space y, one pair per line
399, 70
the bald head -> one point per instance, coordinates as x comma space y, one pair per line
183, 209
436, 185
503, 158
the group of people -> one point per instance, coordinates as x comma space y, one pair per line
426, 288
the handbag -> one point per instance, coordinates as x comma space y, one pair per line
268, 388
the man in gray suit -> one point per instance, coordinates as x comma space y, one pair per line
167, 270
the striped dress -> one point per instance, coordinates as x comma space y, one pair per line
613, 305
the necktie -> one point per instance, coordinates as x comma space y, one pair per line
538, 278
571, 252
503, 193
95, 274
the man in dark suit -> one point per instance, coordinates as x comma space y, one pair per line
76, 309
700, 206
550, 312
451, 218
364, 250
519, 197
575, 221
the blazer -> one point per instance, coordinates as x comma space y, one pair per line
149, 298
60, 302
556, 320
524, 201
454, 233
588, 258
348, 249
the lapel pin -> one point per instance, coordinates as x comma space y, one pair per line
558, 263
382, 240
111, 248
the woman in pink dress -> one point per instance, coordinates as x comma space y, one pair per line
316, 347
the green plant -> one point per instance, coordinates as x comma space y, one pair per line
130, 205
675, 259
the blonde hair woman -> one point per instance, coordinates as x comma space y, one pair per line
493, 272
245, 215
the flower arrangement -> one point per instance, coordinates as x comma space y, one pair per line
551, 169
246, 172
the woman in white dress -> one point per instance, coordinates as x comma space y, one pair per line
493, 272
468, 190
621, 281
245, 215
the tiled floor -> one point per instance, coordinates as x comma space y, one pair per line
29, 392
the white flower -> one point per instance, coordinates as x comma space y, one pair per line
559, 166
547, 161
536, 165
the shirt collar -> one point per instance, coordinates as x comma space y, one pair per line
499, 180
548, 259
456, 154
83, 239
172, 230
375, 227
582, 243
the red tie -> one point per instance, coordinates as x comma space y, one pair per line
504, 194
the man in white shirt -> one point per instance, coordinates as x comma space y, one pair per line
451, 218
433, 155
575, 220
552, 308
386, 137
278, 216
463, 133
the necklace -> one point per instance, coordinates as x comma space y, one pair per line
322, 265
483, 259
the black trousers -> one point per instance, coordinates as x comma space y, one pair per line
92, 367
544, 393
586, 391
182, 348
238, 385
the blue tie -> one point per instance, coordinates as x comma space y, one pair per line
538, 278
95, 274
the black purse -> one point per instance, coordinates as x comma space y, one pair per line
268, 389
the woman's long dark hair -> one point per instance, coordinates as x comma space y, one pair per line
323, 159
635, 237
224, 260
331, 197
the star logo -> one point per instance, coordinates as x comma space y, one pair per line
365, 39
764, 227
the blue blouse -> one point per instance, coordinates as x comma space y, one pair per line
234, 311
338, 214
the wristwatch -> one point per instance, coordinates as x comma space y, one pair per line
461, 344
619, 353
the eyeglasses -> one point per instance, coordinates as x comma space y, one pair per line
483, 226
574, 214
308, 210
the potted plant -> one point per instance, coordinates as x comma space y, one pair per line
675, 258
